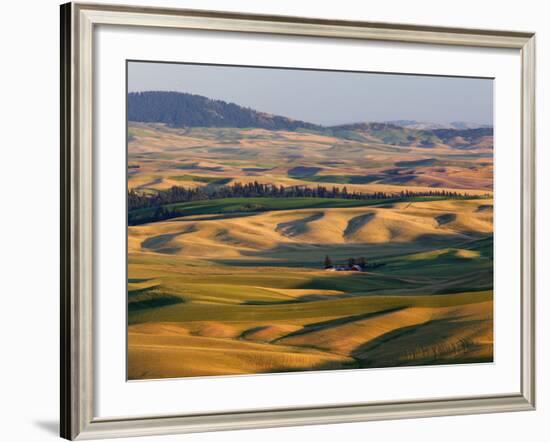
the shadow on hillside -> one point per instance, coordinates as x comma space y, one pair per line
437, 341
310, 255
317, 326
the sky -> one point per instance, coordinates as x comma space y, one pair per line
325, 97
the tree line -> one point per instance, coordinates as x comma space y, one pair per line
178, 194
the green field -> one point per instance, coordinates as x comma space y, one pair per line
201, 179
249, 205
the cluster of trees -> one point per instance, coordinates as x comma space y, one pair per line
179, 194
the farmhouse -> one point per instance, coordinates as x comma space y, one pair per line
353, 265
353, 268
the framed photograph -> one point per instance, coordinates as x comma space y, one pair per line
272, 221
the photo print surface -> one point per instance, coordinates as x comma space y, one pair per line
285, 220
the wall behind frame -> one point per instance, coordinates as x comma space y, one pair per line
29, 179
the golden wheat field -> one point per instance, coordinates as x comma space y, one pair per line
262, 284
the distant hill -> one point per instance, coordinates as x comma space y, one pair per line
394, 134
179, 109
463, 137
426, 125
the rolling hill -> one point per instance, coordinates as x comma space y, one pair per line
248, 294
177, 109
414, 124
233, 215
397, 135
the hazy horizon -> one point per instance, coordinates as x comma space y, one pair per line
301, 94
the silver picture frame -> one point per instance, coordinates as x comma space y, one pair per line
78, 21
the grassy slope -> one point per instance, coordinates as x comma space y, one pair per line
231, 205
235, 286
251, 205
204, 339
166, 155
254, 316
